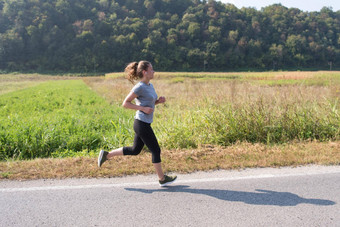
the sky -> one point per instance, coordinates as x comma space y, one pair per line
309, 5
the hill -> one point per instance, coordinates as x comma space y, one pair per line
177, 35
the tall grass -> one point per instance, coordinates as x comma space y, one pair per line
67, 118
225, 112
58, 118
254, 122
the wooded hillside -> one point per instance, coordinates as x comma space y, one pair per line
182, 35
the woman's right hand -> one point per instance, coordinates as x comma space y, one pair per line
147, 110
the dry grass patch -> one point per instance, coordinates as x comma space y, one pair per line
221, 112
113, 90
241, 155
295, 75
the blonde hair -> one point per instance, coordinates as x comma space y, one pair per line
135, 70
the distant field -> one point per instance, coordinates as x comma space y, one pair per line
269, 78
58, 117
13, 82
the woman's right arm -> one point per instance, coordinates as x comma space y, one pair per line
127, 103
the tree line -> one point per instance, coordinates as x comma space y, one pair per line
176, 35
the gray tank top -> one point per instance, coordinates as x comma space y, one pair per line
146, 97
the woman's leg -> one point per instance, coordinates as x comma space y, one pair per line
134, 150
148, 137
159, 171
146, 134
117, 152
151, 142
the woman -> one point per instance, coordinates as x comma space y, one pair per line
146, 99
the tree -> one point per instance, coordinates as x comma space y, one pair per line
296, 45
276, 53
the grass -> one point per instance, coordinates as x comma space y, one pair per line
225, 111
210, 121
14, 82
263, 78
58, 119
205, 158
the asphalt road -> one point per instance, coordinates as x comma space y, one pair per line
303, 196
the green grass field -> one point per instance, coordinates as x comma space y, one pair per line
63, 118
59, 118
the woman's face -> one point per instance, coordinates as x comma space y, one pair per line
149, 73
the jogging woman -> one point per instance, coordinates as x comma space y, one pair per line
146, 99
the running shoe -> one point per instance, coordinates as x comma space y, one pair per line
167, 180
102, 157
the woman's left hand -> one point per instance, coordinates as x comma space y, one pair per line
161, 100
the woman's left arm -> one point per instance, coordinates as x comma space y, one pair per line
160, 100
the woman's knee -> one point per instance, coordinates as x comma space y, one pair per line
136, 151
132, 150
156, 155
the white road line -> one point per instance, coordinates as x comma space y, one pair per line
184, 181
67, 187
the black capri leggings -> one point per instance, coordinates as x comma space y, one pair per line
144, 135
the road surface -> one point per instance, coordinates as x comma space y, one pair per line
302, 196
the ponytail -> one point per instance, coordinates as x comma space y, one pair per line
134, 70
